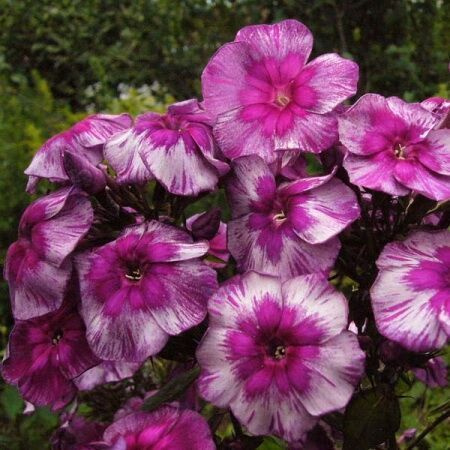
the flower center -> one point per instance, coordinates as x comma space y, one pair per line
134, 274
282, 99
57, 336
399, 151
280, 217
276, 349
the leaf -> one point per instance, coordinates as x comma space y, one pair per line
11, 401
272, 443
371, 418
172, 390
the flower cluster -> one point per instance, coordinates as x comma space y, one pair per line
335, 256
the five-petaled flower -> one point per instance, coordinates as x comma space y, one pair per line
137, 290
288, 229
176, 148
38, 265
265, 97
393, 147
278, 353
46, 353
411, 296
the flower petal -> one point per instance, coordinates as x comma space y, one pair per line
329, 79
317, 304
122, 152
375, 172
180, 167
277, 250
436, 155
335, 367
224, 78
251, 186
323, 212
279, 40
415, 176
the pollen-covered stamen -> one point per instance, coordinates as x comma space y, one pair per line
134, 274
57, 336
280, 217
282, 99
399, 151
276, 349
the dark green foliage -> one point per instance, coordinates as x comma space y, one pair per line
172, 390
371, 418
400, 46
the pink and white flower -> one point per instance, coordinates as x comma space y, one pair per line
266, 97
176, 148
278, 353
46, 353
411, 295
393, 147
166, 428
145, 286
85, 139
288, 229
434, 373
38, 267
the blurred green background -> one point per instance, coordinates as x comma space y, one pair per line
63, 59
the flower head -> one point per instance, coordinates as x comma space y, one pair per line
166, 428
85, 139
288, 229
176, 148
393, 147
278, 354
266, 97
139, 289
37, 266
411, 295
45, 355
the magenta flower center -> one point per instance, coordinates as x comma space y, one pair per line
57, 336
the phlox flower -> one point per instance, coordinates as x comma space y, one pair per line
137, 290
166, 428
285, 229
411, 295
85, 139
46, 353
37, 266
176, 148
278, 353
393, 147
266, 97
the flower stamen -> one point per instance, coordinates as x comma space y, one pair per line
134, 275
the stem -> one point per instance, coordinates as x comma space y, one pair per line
428, 429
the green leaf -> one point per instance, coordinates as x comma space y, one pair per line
371, 418
172, 390
272, 443
11, 401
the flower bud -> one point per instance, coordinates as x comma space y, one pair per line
83, 174
206, 225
